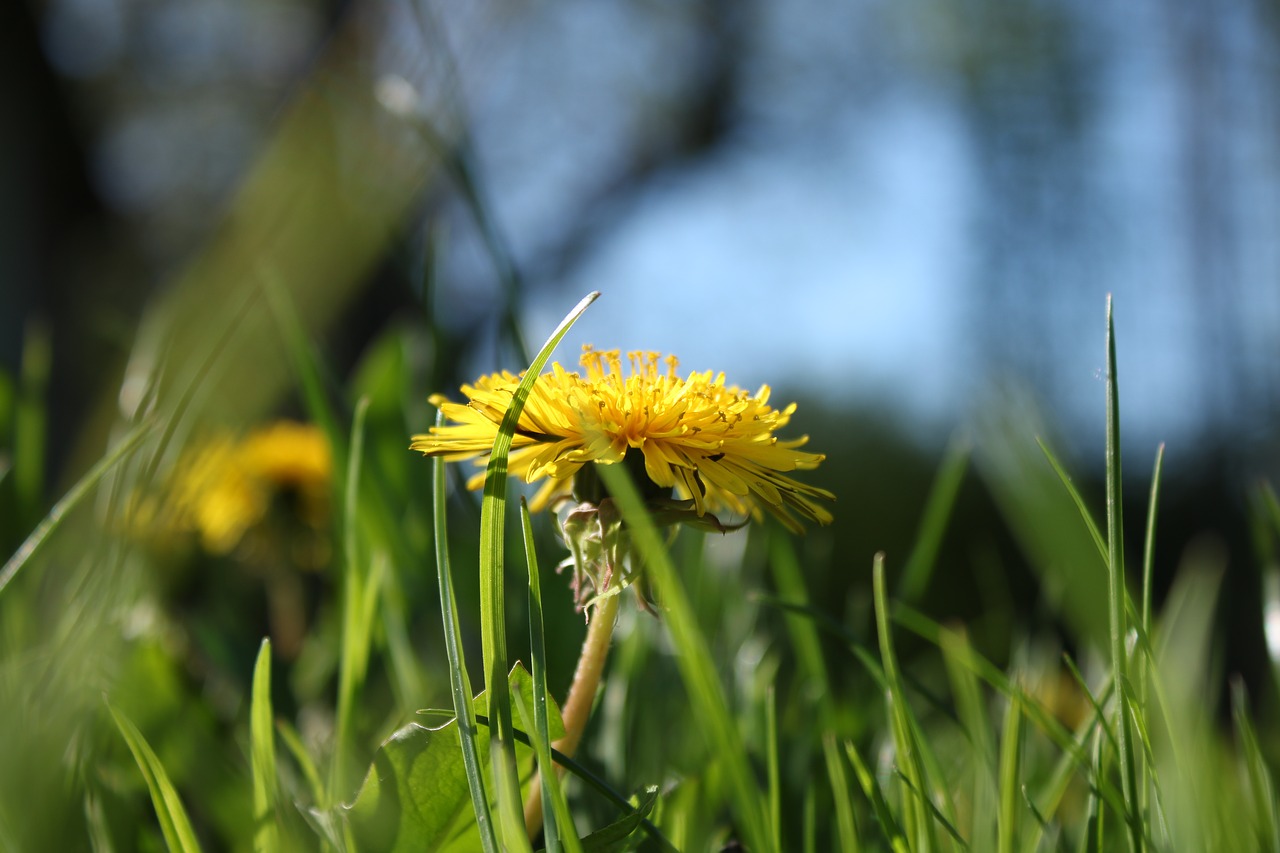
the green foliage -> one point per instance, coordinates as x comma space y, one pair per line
756, 707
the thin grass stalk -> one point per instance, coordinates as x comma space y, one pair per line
1117, 594
968, 694
597, 784
32, 544
933, 522
30, 420
553, 805
492, 606
711, 708
846, 826
358, 596
459, 681
771, 765
871, 788
1010, 760
917, 821
1142, 658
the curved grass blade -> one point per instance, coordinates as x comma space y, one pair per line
262, 752
1143, 658
1118, 594
174, 823
973, 716
710, 707
459, 681
1010, 760
492, 579
1261, 788
846, 828
933, 523
917, 823
771, 766
70, 501
554, 806
359, 607
888, 824
596, 784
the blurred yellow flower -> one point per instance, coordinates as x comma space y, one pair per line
227, 486
714, 444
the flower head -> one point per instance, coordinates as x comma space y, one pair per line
713, 443
227, 486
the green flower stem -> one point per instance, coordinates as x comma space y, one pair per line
576, 710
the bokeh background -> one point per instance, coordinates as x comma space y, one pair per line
905, 216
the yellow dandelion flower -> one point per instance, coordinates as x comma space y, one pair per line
713, 443
226, 487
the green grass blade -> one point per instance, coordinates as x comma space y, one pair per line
360, 593
70, 501
293, 742
1009, 786
916, 820
1095, 534
933, 523
710, 707
597, 784
1143, 657
30, 420
174, 823
262, 752
492, 579
1118, 594
1260, 785
774, 793
888, 824
459, 681
789, 580
555, 809
973, 716
846, 828
558, 823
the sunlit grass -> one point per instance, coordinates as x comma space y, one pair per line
746, 710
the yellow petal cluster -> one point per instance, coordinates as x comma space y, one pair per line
713, 443
227, 486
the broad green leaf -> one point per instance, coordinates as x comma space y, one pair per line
417, 788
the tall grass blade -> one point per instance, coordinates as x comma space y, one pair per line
1010, 760
933, 523
360, 594
888, 824
293, 743
70, 501
800, 625
262, 753
1118, 595
555, 808
174, 823
774, 792
846, 828
710, 707
492, 579
1260, 785
973, 716
916, 819
29, 419
459, 681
